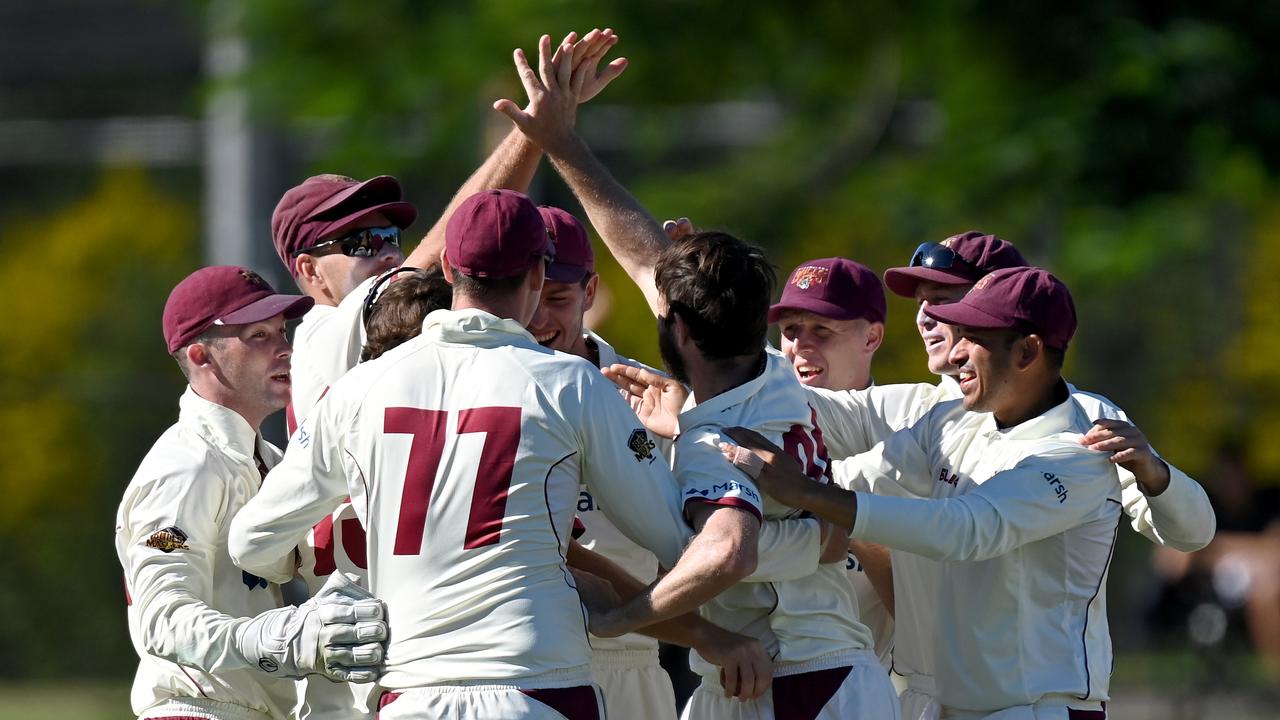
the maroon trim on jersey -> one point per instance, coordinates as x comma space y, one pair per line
578, 529
386, 699
290, 421
727, 502
803, 695
575, 703
1073, 714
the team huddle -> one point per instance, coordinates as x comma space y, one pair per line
484, 511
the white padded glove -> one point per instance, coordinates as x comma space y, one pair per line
340, 633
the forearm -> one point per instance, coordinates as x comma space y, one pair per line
175, 625
511, 166
632, 235
878, 568
687, 630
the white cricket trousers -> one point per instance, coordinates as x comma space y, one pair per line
492, 702
919, 699
634, 685
856, 689
201, 709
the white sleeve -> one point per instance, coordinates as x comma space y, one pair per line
788, 550
1039, 497
622, 467
1180, 517
900, 465
169, 588
706, 477
853, 421
306, 486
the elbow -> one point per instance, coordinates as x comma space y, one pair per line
739, 558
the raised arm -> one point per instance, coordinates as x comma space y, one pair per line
513, 163
633, 235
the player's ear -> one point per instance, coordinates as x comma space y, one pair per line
592, 286
305, 270
874, 336
197, 354
445, 269
1027, 350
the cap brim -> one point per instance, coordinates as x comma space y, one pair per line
962, 313
400, 213
815, 306
903, 281
293, 307
564, 273
383, 187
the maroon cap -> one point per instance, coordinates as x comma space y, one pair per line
324, 203
1027, 299
958, 260
574, 257
223, 295
496, 234
832, 287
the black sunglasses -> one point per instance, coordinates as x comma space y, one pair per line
375, 291
362, 243
940, 257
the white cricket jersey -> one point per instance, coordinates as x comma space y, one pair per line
462, 451
798, 619
602, 536
855, 421
326, 344
186, 598
871, 611
1022, 532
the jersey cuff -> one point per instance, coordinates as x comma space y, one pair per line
727, 502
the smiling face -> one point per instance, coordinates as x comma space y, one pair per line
986, 365
334, 275
938, 338
557, 324
828, 353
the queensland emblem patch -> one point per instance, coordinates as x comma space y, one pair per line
167, 540
640, 444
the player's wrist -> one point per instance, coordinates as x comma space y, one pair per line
1154, 480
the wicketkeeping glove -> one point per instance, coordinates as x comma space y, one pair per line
340, 633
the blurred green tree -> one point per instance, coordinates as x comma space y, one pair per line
1125, 145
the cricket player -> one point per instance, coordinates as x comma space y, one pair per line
626, 668
1023, 516
714, 292
214, 642
462, 451
336, 236
831, 319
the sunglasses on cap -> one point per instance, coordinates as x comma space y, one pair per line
937, 256
362, 243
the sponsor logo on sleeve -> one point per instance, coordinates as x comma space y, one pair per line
641, 446
167, 540
726, 489
1056, 484
952, 479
